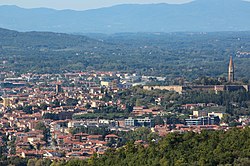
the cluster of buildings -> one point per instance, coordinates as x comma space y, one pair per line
38, 110
51, 100
244, 54
41, 113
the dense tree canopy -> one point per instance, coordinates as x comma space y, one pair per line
188, 55
206, 148
230, 147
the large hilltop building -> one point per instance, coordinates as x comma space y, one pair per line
217, 88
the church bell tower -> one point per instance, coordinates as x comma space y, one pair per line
231, 70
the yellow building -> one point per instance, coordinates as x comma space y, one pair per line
200, 113
6, 102
219, 114
177, 88
105, 83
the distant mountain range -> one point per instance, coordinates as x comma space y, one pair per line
199, 15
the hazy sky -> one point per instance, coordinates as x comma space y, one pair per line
80, 4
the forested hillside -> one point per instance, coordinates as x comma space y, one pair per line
206, 148
189, 55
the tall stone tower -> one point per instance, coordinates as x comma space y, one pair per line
231, 70
58, 88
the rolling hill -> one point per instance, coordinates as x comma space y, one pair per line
199, 15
